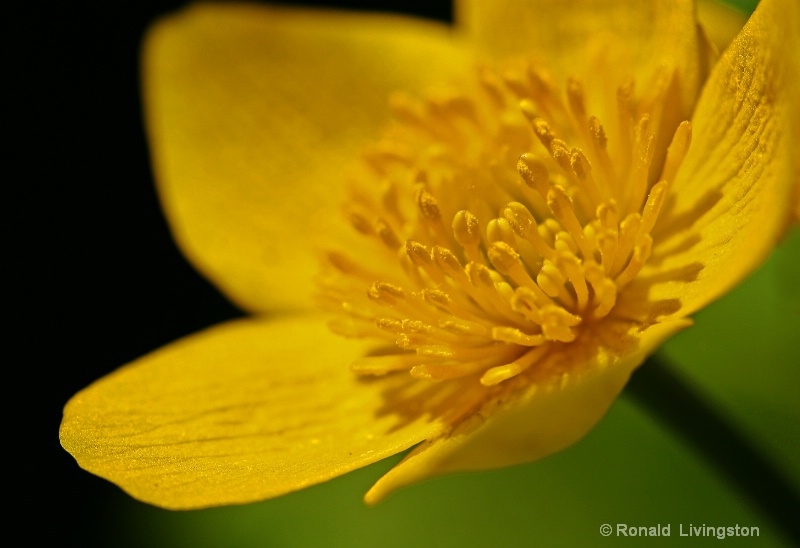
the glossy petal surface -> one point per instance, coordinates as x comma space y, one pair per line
731, 199
242, 412
253, 112
577, 36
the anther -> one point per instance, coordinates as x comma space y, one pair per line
565, 243
625, 114
479, 276
381, 365
515, 336
645, 148
437, 298
605, 290
557, 323
500, 373
499, 230
583, 171
519, 219
550, 280
599, 141
386, 293
428, 205
390, 325
542, 131
361, 223
527, 299
528, 109
598, 134
466, 229
524, 225
655, 200
459, 326
561, 154
448, 262
386, 234
561, 205
628, 230
345, 265
504, 258
608, 215
419, 254
534, 173
449, 370
677, 151
571, 266
576, 99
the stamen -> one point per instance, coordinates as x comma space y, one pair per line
629, 229
361, 223
534, 174
542, 131
643, 156
422, 258
381, 365
605, 290
563, 210
506, 260
386, 234
557, 322
577, 101
655, 200
467, 233
499, 230
386, 293
624, 121
571, 266
463, 327
561, 155
599, 143
641, 252
524, 225
419, 254
677, 151
449, 370
551, 280
583, 171
542, 240
515, 336
428, 206
498, 374
347, 266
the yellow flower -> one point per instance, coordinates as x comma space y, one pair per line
519, 240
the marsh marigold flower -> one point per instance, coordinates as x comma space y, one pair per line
558, 186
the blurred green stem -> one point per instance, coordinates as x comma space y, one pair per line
672, 401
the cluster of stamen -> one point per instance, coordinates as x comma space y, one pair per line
483, 240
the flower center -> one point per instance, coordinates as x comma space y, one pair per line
495, 223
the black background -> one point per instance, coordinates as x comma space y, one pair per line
96, 279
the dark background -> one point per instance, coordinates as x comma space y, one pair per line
97, 280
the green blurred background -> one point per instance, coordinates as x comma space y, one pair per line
122, 289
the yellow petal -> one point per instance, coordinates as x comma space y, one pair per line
731, 199
646, 34
252, 111
575, 389
242, 412
721, 22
